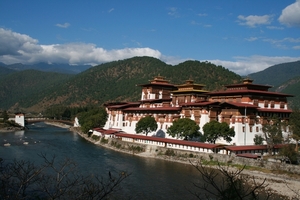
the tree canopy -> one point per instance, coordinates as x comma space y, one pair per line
146, 125
184, 128
91, 119
295, 126
4, 116
214, 130
273, 132
258, 140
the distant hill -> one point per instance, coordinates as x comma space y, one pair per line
59, 68
27, 88
277, 74
4, 71
284, 78
291, 86
115, 81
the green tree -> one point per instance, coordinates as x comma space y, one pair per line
258, 140
5, 116
184, 128
95, 117
295, 126
273, 133
289, 152
214, 130
146, 125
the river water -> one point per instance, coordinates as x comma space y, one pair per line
150, 178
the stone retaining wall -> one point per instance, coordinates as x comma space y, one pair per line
191, 156
186, 156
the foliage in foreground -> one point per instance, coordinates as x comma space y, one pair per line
223, 183
53, 180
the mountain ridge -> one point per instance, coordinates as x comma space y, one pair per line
53, 67
117, 81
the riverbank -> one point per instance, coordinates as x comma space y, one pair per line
285, 185
58, 124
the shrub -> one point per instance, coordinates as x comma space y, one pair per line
103, 140
170, 152
95, 137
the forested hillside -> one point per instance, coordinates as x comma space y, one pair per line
5, 71
48, 67
118, 80
291, 86
26, 88
277, 74
284, 78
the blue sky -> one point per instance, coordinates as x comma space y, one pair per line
244, 36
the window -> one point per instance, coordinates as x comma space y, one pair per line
266, 103
272, 104
255, 102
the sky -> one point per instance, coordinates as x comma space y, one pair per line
244, 36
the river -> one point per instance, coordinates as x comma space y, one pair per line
150, 178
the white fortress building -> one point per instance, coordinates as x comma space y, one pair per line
20, 119
245, 107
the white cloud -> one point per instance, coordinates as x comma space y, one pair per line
65, 25
275, 27
296, 47
20, 48
202, 14
172, 11
251, 39
290, 16
111, 10
252, 64
254, 20
283, 42
12, 43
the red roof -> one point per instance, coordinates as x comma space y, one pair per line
123, 105
241, 105
248, 85
154, 109
158, 84
250, 147
274, 110
201, 103
155, 100
172, 141
108, 132
227, 92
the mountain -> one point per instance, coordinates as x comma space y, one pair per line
28, 88
291, 86
59, 68
114, 81
284, 77
277, 74
5, 71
